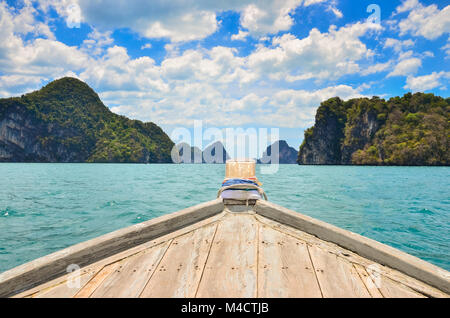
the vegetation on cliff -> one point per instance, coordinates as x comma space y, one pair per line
409, 130
67, 122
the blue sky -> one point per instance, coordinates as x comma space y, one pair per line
246, 63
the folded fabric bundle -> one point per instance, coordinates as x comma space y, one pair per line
228, 182
231, 181
240, 193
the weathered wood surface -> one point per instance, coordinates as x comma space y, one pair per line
237, 253
51, 266
337, 277
179, 273
87, 290
363, 246
231, 267
130, 277
284, 266
356, 259
370, 283
67, 289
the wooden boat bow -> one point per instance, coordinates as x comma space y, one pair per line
227, 248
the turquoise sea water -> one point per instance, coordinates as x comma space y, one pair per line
47, 207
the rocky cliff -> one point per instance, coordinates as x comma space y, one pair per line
408, 130
321, 144
286, 154
214, 153
66, 121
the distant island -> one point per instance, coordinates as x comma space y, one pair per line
196, 155
286, 154
66, 121
409, 130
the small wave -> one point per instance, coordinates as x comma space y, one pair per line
412, 229
7, 212
109, 204
422, 211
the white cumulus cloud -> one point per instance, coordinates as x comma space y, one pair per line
320, 55
426, 21
183, 20
241, 35
426, 82
406, 67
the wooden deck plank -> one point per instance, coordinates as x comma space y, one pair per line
368, 281
284, 266
413, 284
96, 281
236, 264
366, 247
337, 277
231, 268
179, 272
66, 289
130, 278
47, 286
44, 269
122, 255
393, 289
393, 274
382, 286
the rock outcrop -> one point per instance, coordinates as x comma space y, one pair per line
214, 153
286, 154
66, 121
408, 130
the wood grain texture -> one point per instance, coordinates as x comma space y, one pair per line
284, 266
381, 286
363, 246
357, 260
132, 274
68, 288
124, 254
337, 277
52, 266
368, 281
97, 280
179, 272
237, 253
231, 268
393, 289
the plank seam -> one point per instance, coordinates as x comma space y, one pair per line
287, 233
111, 262
405, 286
124, 255
257, 255
301, 240
52, 266
366, 247
314, 269
362, 279
95, 275
206, 261
49, 288
362, 263
390, 277
156, 266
